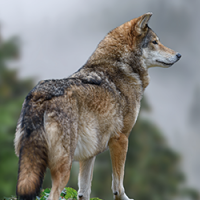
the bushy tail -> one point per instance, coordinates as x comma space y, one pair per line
33, 153
32, 166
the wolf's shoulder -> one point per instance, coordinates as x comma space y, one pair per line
88, 76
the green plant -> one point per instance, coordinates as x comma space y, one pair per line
68, 194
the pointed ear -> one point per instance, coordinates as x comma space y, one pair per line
142, 22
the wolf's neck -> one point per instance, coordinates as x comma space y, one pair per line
143, 74
129, 68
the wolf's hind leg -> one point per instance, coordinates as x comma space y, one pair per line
62, 141
60, 176
85, 178
118, 148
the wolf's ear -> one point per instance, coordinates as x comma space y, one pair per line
142, 22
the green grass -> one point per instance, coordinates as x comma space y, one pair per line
67, 193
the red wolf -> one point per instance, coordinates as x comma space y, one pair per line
76, 118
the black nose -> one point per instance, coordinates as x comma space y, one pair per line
178, 55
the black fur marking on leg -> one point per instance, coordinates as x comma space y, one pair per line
115, 193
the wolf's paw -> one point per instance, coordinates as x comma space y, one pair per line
82, 197
121, 197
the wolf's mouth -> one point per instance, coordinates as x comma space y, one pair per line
164, 63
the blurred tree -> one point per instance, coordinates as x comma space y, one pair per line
12, 93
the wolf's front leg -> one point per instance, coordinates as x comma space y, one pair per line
118, 148
85, 178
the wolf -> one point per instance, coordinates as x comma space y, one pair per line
94, 109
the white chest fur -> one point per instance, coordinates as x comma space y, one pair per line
86, 146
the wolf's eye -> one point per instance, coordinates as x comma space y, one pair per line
154, 42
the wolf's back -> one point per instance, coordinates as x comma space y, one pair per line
31, 147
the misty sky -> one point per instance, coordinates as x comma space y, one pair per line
58, 36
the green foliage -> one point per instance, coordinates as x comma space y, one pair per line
44, 194
95, 199
67, 193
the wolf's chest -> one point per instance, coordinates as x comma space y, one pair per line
90, 142
86, 147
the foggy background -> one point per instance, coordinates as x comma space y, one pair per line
58, 36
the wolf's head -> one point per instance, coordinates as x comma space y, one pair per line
134, 44
154, 54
